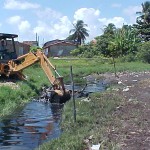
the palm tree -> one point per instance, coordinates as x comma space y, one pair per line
79, 32
145, 14
109, 29
143, 21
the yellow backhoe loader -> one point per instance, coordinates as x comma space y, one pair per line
10, 64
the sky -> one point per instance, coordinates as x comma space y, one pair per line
53, 19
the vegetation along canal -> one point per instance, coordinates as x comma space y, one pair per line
36, 123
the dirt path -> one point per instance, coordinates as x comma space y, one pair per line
131, 126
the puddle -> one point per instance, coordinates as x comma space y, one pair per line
36, 123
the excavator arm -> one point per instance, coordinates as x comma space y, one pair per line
18, 65
30, 59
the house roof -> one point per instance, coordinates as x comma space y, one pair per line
55, 42
5, 35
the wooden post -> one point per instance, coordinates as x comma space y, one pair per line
73, 98
55, 71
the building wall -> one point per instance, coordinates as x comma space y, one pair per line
60, 50
31, 43
20, 48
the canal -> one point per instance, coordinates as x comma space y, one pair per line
37, 122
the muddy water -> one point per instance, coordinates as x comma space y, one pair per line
35, 124
91, 87
38, 122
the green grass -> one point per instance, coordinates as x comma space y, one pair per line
83, 67
10, 99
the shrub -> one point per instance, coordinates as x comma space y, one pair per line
144, 52
34, 48
75, 52
128, 58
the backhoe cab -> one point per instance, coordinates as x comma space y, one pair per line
12, 65
7, 47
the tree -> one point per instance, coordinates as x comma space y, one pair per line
109, 29
144, 52
105, 38
143, 21
79, 32
123, 43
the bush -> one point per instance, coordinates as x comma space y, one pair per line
128, 58
34, 48
144, 52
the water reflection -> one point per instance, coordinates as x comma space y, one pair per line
37, 123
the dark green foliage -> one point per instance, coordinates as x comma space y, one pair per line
124, 42
102, 44
128, 58
88, 50
144, 52
112, 43
143, 22
104, 40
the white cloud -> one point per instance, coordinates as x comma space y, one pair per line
63, 26
95, 23
87, 14
50, 24
58, 30
24, 26
48, 14
14, 20
116, 5
16, 4
17, 21
40, 28
131, 12
90, 17
117, 21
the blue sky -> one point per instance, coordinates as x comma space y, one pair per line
52, 19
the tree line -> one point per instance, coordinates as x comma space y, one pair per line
132, 41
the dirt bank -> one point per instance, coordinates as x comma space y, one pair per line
131, 126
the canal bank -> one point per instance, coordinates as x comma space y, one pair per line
38, 122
